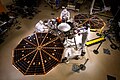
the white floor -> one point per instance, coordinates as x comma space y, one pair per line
98, 67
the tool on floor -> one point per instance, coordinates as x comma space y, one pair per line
106, 51
77, 68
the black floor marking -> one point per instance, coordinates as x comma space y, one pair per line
45, 6
18, 27
109, 77
52, 13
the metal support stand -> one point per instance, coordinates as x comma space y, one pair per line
75, 44
96, 50
92, 7
112, 45
77, 68
82, 66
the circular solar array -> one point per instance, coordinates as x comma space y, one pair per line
94, 21
38, 53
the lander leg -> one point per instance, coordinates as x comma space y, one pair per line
92, 5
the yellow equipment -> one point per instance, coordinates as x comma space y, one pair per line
93, 30
95, 41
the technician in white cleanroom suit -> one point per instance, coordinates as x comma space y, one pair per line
65, 14
85, 32
39, 27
